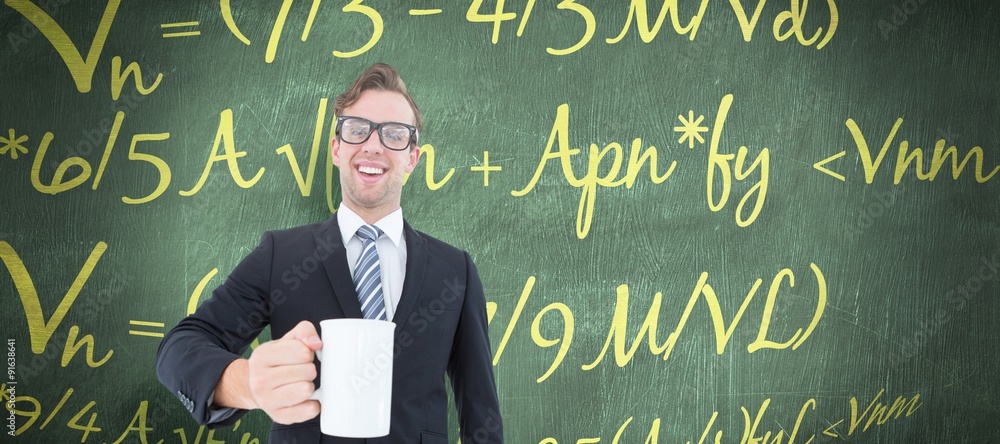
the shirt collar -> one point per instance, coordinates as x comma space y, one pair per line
349, 221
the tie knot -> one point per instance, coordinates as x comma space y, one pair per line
369, 232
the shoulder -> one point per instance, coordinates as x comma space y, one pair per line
434, 245
308, 233
296, 231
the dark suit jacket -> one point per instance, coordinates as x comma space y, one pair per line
302, 273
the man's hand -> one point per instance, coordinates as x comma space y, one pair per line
281, 374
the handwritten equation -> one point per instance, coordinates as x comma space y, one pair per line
908, 158
41, 329
788, 23
624, 348
607, 167
86, 421
876, 414
723, 167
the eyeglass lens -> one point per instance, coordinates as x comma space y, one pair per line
392, 135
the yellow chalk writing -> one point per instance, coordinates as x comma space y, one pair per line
637, 10
57, 185
497, 17
747, 26
81, 70
796, 15
305, 185
618, 434
618, 331
720, 162
192, 304
39, 329
750, 434
772, 294
879, 414
86, 429
161, 167
522, 300
138, 424
31, 415
112, 138
588, 33
329, 179
915, 157
754, 429
708, 428
227, 16
566, 339
377, 28
588, 184
73, 346
491, 310
685, 20
428, 150
723, 333
225, 136
279, 24
118, 78
938, 160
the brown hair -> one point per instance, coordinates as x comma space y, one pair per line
383, 77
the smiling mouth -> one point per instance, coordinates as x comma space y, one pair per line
371, 171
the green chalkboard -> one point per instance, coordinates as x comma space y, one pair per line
695, 220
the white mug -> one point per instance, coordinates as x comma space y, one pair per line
356, 377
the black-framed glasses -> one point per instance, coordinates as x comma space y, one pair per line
395, 136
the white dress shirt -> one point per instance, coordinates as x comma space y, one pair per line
391, 247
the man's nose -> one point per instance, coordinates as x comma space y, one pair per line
374, 144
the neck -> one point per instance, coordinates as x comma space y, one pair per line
370, 215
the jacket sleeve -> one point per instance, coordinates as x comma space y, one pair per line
193, 355
470, 368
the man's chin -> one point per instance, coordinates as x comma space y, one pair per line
370, 200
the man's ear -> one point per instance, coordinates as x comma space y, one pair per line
414, 157
335, 151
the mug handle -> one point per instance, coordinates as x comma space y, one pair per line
317, 394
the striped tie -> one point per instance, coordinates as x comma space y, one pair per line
367, 276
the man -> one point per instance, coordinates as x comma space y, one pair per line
429, 289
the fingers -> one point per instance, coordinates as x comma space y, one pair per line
292, 394
305, 332
277, 378
296, 414
281, 375
283, 391
281, 352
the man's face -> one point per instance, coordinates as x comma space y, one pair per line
371, 175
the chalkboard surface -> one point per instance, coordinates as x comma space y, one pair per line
695, 221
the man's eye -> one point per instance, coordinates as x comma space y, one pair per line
396, 134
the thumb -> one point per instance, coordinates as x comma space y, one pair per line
305, 332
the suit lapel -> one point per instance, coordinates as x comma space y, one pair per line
336, 267
416, 266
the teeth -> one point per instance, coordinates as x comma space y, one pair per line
371, 170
